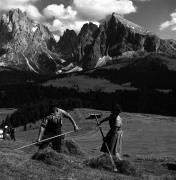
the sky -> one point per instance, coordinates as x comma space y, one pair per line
157, 16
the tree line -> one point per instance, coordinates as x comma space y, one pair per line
33, 101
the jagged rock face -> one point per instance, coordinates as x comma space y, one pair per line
26, 45
78, 48
86, 39
118, 35
113, 38
68, 44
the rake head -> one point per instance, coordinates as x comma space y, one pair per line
93, 115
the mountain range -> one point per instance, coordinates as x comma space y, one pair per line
28, 46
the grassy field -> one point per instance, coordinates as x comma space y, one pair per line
86, 83
143, 134
149, 142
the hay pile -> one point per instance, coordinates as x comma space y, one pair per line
61, 160
103, 162
70, 147
51, 157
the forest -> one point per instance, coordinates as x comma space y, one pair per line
33, 101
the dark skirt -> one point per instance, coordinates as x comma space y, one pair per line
114, 141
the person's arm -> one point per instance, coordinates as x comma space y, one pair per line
42, 129
41, 133
67, 115
104, 120
119, 121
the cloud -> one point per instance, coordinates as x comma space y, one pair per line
23, 5
11, 4
143, 0
56, 37
170, 23
58, 18
63, 18
81, 12
59, 26
98, 9
33, 12
59, 11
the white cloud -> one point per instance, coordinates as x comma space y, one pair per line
56, 37
59, 12
98, 9
60, 26
10, 4
165, 25
169, 24
143, 0
63, 18
58, 18
33, 12
83, 11
24, 5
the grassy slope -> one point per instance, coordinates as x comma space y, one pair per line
139, 71
86, 83
148, 139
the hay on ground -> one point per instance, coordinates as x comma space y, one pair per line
104, 162
51, 157
70, 147
66, 160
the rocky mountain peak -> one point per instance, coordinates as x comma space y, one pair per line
26, 45
29, 46
88, 29
68, 45
115, 37
134, 27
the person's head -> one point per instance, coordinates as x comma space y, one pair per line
53, 108
116, 109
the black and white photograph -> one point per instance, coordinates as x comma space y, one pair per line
87, 89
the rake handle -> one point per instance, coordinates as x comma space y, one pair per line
43, 140
112, 161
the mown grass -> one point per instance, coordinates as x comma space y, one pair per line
141, 132
49, 165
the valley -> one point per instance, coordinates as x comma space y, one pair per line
87, 72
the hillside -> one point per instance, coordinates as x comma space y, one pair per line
141, 131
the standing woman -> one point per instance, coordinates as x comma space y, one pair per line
114, 136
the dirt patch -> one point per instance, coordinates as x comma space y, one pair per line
104, 162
